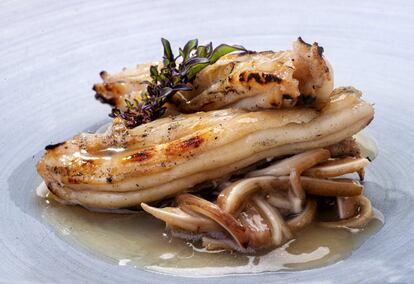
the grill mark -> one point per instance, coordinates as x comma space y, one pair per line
320, 50
53, 146
307, 100
103, 74
304, 42
260, 77
254, 76
185, 146
105, 100
51, 188
271, 78
241, 77
140, 156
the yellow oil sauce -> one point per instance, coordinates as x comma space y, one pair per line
140, 240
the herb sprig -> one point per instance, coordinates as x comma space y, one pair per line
171, 78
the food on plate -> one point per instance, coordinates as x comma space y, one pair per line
231, 148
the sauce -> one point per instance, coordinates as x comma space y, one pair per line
140, 240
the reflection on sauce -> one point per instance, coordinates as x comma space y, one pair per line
140, 240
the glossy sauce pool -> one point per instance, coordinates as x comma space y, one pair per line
140, 240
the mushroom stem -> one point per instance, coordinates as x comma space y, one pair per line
280, 231
335, 187
339, 167
299, 162
347, 206
297, 194
175, 217
257, 228
360, 219
206, 208
303, 219
280, 200
233, 196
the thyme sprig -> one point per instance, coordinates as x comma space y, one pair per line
171, 78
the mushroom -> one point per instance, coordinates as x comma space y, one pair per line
303, 219
206, 208
361, 216
177, 218
299, 162
280, 231
233, 196
257, 227
338, 167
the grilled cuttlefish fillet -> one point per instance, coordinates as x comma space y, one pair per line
124, 167
247, 80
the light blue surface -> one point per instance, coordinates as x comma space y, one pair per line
51, 54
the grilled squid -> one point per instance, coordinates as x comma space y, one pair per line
125, 167
247, 80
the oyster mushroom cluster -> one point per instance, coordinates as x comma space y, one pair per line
267, 206
253, 153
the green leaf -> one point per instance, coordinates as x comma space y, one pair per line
182, 87
128, 103
192, 72
209, 49
222, 50
162, 77
181, 52
189, 46
176, 80
201, 51
166, 62
168, 54
165, 92
196, 60
154, 72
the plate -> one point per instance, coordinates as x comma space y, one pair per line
51, 54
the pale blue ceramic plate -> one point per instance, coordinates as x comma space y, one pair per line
51, 54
